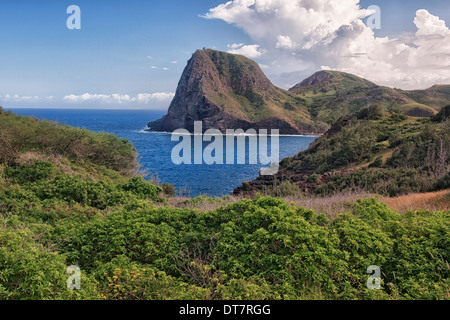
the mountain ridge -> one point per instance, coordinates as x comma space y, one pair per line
333, 94
228, 91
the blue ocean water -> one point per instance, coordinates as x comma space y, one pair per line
155, 149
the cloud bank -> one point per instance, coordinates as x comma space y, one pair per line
142, 98
22, 98
296, 38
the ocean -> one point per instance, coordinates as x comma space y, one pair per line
155, 149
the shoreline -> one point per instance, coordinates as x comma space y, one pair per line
225, 134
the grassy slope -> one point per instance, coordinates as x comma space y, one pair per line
345, 94
256, 104
435, 97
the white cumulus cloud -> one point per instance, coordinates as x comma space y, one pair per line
299, 37
285, 42
250, 51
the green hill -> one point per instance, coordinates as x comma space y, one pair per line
330, 95
372, 150
435, 97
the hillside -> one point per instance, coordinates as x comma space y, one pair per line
330, 95
228, 91
71, 197
435, 97
372, 150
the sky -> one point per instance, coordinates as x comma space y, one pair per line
130, 54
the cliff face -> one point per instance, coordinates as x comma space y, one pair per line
227, 91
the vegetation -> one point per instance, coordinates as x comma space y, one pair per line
329, 95
73, 206
375, 151
22, 138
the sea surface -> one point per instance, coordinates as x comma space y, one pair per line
155, 149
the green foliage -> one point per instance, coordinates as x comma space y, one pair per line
377, 163
253, 249
443, 183
201, 200
168, 189
143, 189
443, 115
37, 170
30, 271
247, 186
286, 189
129, 248
373, 112
20, 134
314, 178
417, 154
127, 280
336, 94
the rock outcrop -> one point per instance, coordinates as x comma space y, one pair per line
227, 91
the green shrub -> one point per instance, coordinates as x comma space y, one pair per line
127, 280
30, 271
200, 200
168, 189
286, 189
143, 189
314, 178
247, 186
377, 163
37, 170
21, 134
443, 183
73, 189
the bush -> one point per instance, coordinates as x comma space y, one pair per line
22, 134
127, 280
168, 189
252, 249
30, 271
443, 115
314, 178
37, 170
443, 183
74, 189
286, 189
143, 189
373, 112
377, 163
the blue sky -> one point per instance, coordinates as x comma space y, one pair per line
134, 47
